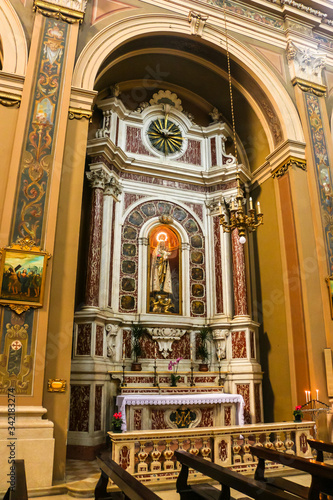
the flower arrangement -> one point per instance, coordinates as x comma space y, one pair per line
117, 421
298, 414
173, 365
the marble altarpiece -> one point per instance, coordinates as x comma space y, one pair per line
158, 256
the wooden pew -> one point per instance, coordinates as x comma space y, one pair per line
132, 489
227, 478
320, 447
20, 489
321, 474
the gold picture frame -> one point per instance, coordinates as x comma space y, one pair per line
22, 277
329, 282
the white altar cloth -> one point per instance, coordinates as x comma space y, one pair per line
180, 399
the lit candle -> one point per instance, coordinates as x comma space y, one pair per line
191, 351
251, 204
123, 351
232, 203
220, 208
306, 396
258, 205
309, 395
317, 394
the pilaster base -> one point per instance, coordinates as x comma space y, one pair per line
31, 440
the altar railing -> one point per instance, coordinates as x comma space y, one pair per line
149, 455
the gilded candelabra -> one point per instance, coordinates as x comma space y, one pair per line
238, 218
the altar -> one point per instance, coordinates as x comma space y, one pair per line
176, 411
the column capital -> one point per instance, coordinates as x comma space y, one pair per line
98, 178
306, 66
71, 11
113, 187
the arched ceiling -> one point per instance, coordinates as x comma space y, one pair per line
197, 73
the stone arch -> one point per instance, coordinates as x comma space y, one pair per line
114, 35
139, 216
14, 43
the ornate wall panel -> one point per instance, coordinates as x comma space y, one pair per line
99, 340
36, 161
323, 171
130, 249
257, 403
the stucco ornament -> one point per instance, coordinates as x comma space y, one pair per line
305, 64
111, 334
166, 97
164, 337
220, 338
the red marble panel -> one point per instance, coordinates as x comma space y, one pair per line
79, 408
239, 275
167, 379
112, 250
137, 419
238, 342
157, 420
213, 151
130, 379
98, 408
95, 244
192, 154
130, 198
134, 142
99, 340
124, 457
244, 390
207, 418
223, 450
83, 345
227, 415
127, 342
252, 344
257, 405
218, 266
205, 379
197, 209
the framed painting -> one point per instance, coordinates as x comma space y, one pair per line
22, 278
329, 282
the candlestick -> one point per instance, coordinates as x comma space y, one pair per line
192, 379
251, 204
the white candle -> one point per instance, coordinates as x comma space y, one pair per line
317, 394
251, 204
220, 208
258, 205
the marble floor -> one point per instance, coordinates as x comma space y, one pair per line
82, 476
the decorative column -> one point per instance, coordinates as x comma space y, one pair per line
111, 192
97, 178
239, 276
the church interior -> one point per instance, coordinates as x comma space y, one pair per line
166, 272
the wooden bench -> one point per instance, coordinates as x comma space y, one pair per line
131, 488
321, 474
320, 447
228, 479
20, 489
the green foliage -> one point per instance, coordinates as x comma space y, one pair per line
205, 336
137, 332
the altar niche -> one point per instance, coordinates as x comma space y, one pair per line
164, 271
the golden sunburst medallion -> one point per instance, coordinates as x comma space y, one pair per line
165, 136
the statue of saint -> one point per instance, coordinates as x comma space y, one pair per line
160, 267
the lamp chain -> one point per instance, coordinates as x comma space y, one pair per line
230, 83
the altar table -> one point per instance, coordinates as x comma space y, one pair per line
157, 411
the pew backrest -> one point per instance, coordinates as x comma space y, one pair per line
320, 447
131, 487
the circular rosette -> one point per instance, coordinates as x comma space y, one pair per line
165, 136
